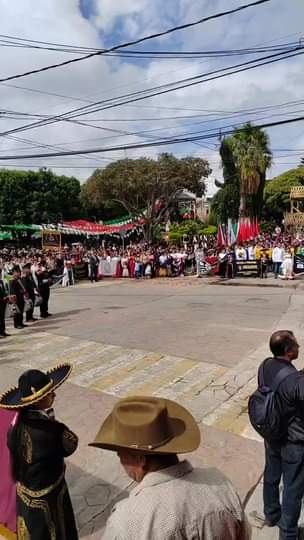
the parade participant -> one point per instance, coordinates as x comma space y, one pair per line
43, 289
38, 445
172, 499
30, 287
17, 290
3, 303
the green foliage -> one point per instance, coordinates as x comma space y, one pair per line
245, 158
210, 230
189, 228
145, 187
277, 190
37, 197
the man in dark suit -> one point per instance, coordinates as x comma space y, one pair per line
44, 289
3, 302
17, 291
93, 266
29, 285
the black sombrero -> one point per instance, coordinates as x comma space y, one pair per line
34, 385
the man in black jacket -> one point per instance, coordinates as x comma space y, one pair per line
29, 285
17, 291
3, 302
285, 459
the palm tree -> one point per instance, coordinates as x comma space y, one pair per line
252, 156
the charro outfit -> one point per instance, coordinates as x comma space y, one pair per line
44, 510
38, 445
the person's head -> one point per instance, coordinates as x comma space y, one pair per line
137, 465
283, 344
147, 433
16, 272
27, 269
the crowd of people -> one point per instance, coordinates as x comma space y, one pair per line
272, 253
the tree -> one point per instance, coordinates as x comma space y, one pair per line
145, 188
245, 158
37, 197
277, 193
252, 157
225, 203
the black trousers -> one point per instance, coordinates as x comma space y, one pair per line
45, 295
29, 314
285, 462
93, 273
18, 318
2, 316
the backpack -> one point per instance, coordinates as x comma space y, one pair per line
263, 411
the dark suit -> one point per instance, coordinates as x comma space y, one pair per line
29, 285
3, 302
38, 446
93, 264
16, 289
44, 291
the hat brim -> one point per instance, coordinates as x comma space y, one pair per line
12, 399
186, 435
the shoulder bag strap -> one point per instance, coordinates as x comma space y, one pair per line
280, 376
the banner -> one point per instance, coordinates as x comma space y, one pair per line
51, 239
299, 263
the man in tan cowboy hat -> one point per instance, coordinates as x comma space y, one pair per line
38, 445
172, 501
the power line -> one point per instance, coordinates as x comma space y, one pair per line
137, 41
168, 141
167, 55
214, 75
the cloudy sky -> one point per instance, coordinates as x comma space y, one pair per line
209, 106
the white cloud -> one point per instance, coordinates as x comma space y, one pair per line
106, 77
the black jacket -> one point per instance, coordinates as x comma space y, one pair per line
16, 289
41, 445
3, 292
29, 285
290, 397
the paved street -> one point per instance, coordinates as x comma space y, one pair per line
187, 340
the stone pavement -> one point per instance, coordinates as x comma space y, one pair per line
214, 391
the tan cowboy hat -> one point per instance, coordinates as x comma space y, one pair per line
150, 425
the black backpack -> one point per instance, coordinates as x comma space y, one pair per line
263, 411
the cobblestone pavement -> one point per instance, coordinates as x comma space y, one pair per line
215, 391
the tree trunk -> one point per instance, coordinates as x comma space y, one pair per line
242, 205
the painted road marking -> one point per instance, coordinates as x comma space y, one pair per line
121, 372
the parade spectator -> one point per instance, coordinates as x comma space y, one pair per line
93, 266
172, 499
278, 253
284, 459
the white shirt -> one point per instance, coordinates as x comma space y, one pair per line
180, 503
278, 254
